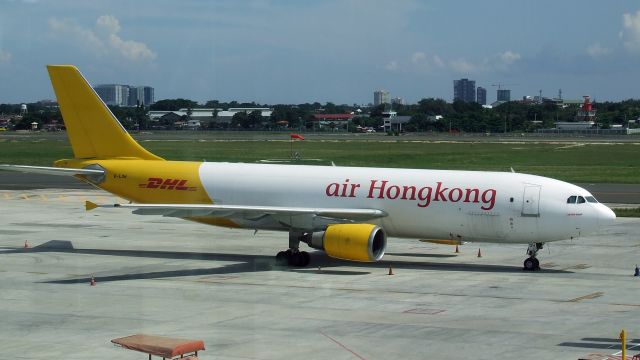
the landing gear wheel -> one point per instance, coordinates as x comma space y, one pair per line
306, 259
282, 258
299, 259
291, 258
531, 264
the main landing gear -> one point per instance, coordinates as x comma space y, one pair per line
293, 256
531, 263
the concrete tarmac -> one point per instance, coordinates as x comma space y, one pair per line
170, 277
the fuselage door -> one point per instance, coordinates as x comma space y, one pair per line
531, 201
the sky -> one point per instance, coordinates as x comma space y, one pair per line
340, 51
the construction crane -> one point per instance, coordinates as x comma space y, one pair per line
500, 85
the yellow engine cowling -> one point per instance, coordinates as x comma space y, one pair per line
357, 242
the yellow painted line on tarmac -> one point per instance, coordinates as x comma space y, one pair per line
7, 196
43, 197
587, 297
24, 196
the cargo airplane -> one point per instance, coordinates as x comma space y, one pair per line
348, 212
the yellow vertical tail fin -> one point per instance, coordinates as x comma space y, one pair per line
94, 132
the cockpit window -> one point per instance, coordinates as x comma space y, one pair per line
591, 199
581, 200
572, 199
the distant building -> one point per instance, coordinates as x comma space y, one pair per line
125, 95
465, 90
397, 100
504, 95
113, 94
393, 122
481, 95
332, 121
205, 115
380, 97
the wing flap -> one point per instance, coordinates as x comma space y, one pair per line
243, 211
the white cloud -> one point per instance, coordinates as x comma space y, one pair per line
631, 32
597, 50
438, 61
497, 62
462, 66
392, 65
509, 57
130, 49
109, 23
418, 57
84, 37
105, 39
5, 57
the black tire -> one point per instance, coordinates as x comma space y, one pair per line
536, 264
299, 259
282, 258
294, 259
530, 264
306, 258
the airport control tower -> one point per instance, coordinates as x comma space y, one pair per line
586, 112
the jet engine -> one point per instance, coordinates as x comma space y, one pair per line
356, 242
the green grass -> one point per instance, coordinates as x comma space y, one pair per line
590, 163
627, 212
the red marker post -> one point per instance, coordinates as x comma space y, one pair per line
294, 136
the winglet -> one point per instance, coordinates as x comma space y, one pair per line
88, 205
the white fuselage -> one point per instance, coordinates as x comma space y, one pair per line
428, 204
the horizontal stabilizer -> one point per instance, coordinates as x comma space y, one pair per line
50, 170
88, 205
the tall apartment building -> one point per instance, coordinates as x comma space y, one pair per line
481, 95
113, 94
380, 97
397, 101
125, 95
465, 90
504, 95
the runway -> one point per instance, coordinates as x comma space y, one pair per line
170, 277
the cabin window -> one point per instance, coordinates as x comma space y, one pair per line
591, 199
581, 200
510, 199
572, 199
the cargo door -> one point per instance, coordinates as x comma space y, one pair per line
531, 201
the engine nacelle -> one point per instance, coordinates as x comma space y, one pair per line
357, 242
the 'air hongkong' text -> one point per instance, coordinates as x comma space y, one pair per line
424, 196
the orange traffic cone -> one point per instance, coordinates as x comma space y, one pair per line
479, 253
457, 251
26, 244
93, 281
390, 270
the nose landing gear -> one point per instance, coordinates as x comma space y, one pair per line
531, 263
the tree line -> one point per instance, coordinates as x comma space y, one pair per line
457, 116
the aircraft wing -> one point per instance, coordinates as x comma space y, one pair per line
48, 170
242, 211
